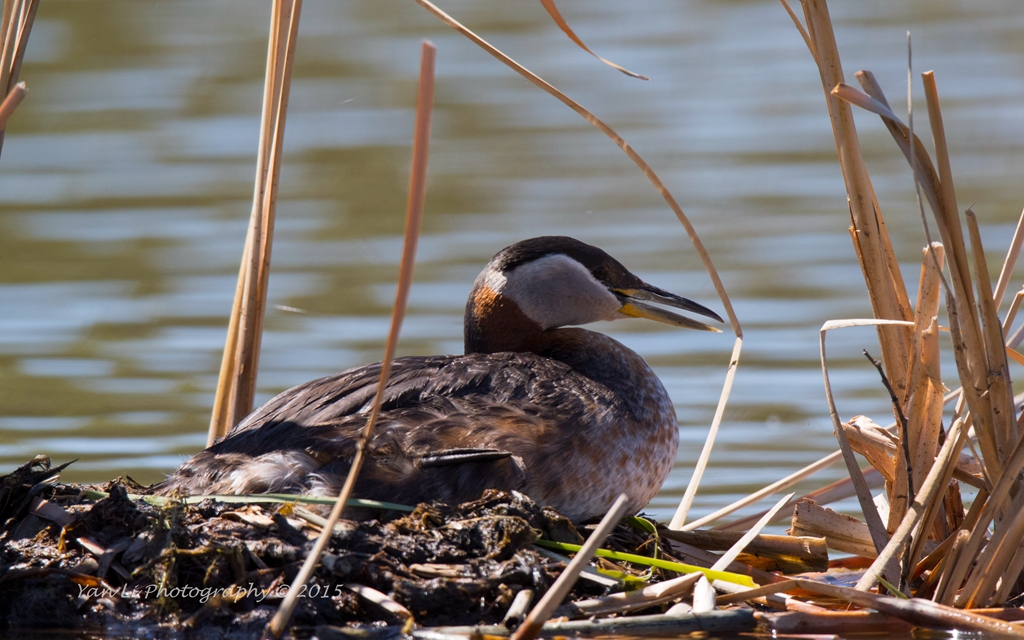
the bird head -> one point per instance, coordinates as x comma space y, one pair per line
557, 281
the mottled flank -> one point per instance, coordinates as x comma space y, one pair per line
568, 416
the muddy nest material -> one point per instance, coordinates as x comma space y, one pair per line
73, 562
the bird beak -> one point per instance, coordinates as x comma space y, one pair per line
635, 304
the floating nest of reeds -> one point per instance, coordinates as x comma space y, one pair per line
71, 561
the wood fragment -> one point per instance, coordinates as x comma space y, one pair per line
381, 600
518, 609
806, 551
650, 595
704, 597
745, 539
911, 610
838, 622
840, 531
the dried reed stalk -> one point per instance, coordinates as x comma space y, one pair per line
997, 371
923, 406
694, 483
994, 506
1011, 313
963, 321
741, 544
1008, 264
236, 386
553, 597
1008, 579
774, 487
631, 600
915, 610
933, 485
552, 10
809, 548
838, 490
11, 103
18, 18
971, 361
877, 259
943, 594
867, 505
15, 27
413, 217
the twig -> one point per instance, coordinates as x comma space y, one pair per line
937, 480
901, 420
414, 213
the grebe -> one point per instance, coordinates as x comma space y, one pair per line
568, 416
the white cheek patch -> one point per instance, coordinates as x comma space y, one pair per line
493, 279
556, 291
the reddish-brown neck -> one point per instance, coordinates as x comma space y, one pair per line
494, 323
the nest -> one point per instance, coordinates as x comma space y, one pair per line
69, 561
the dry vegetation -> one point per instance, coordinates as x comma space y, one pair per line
922, 561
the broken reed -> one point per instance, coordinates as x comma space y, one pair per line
922, 501
413, 217
236, 385
15, 28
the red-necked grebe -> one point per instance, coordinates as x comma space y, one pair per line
568, 416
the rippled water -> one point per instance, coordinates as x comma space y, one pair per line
126, 181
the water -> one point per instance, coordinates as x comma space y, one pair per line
126, 180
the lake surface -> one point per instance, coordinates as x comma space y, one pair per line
126, 183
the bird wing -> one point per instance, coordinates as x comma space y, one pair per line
450, 427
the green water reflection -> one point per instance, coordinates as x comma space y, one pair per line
126, 178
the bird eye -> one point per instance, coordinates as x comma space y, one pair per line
600, 272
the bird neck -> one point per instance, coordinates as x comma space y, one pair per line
494, 323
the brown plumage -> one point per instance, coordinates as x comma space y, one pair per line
570, 417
